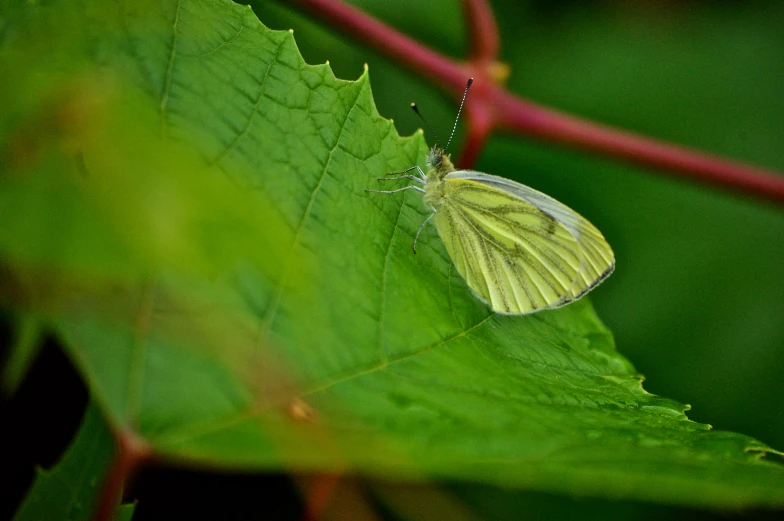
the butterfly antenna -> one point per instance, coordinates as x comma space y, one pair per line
416, 109
470, 81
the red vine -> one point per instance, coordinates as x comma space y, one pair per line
132, 451
491, 106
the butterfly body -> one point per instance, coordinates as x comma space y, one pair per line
439, 167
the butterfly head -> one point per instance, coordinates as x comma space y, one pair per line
438, 160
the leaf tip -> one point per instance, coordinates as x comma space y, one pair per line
761, 451
365, 76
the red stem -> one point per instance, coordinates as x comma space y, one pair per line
502, 109
483, 30
319, 496
131, 451
519, 115
479, 127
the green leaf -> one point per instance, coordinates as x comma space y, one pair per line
24, 349
70, 489
319, 342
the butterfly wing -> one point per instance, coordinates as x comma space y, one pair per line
518, 249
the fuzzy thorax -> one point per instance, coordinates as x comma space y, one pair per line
439, 163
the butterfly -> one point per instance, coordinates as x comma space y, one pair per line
519, 250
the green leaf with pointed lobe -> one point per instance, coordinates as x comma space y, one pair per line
322, 342
70, 489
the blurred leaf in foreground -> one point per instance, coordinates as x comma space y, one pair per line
70, 489
24, 349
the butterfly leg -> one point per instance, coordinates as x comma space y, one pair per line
398, 190
407, 170
421, 227
412, 177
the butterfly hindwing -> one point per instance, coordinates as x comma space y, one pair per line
518, 249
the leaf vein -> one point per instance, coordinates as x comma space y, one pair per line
169, 68
231, 146
383, 366
272, 312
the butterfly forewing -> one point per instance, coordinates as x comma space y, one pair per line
518, 249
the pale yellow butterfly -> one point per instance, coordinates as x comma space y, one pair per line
519, 250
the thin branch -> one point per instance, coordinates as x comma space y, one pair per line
483, 31
512, 113
131, 452
518, 115
319, 494
479, 128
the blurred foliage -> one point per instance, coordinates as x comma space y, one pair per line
69, 489
165, 220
